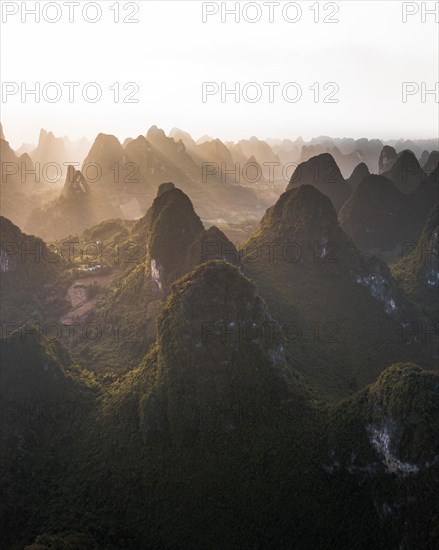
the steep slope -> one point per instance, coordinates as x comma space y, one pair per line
215, 151
212, 353
174, 151
342, 313
173, 228
406, 172
369, 150
382, 219
153, 165
219, 427
347, 152
376, 216
47, 405
263, 154
211, 151
360, 172
345, 162
418, 271
431, 162
216, 195
323, 173
215, 403
387, 159
386, 437
170, 240
211, 244
256, 148
215, 428
252, 174
109, 168
78, 207
119, 179
52, 150
34, 279
20, 187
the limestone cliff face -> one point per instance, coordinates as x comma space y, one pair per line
397, 419
173, 227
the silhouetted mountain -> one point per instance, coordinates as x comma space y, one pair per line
323, 173
302, 215
204, 138
105, 162
77, 208
51, 150
431, 162
154, 168
211, 244
25, 148
10, 177
168, 242
405, 172
174, 381
175, 151
415, 145
380, 218
424, 157
387, 159
214, 193
75, 183
252, 174
263, 154
240, 374
386, 436
173, 228
212, 151
346, 163
25, 160
33, 278
368, 150
418, 270
215, 151
375, 215
7, 155
288, 150
360, 172
18, 186
258, 149
176, 239
41, 435
348, 152
185, 137
77, 150
300, 246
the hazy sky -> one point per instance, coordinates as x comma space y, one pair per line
170, 52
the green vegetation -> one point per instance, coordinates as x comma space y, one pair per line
226, 403
34, 279
418, 271
241, 448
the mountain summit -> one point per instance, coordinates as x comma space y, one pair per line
216, 368
174, 226
323, 173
